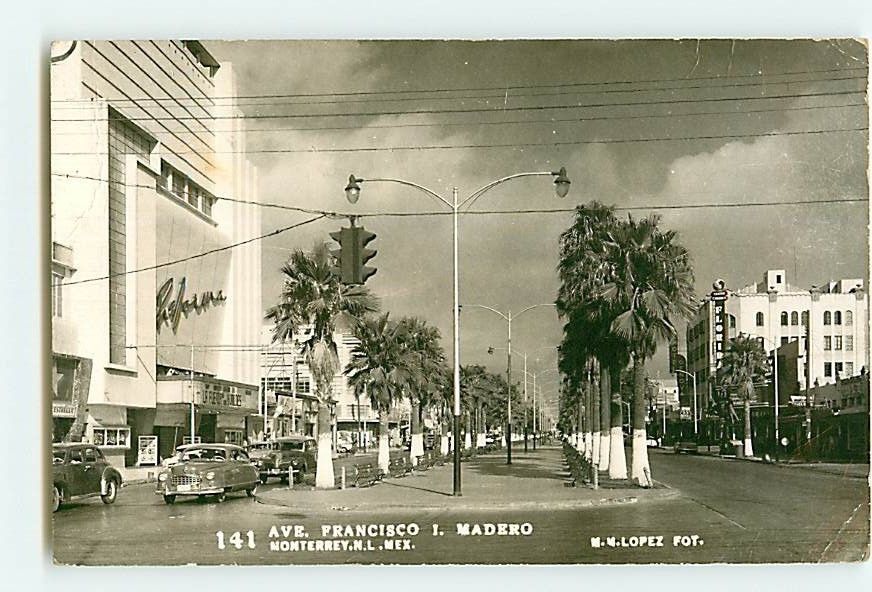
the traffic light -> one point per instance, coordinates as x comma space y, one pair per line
352, 255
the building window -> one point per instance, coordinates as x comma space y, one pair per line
185, 189
794, 318
805, 318
57, 295
828, 369
778, 278
112, 436
784, 319
838, 369
304, 386
849, 368
828, 318
849, 317
849, 343
233, 437
785, 340
837, 342
828, 343
759, 319
837, 317
732, 321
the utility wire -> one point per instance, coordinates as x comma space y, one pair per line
556, 143
388, 214
474, 110
764, 78
502, 95
195, 256
468, 124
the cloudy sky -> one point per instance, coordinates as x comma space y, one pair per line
637, 124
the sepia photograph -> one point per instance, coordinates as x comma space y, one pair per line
457, 302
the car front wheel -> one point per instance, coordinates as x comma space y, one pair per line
169, 499
56, 496
111, 492
220, 497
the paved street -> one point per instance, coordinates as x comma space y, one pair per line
727, 510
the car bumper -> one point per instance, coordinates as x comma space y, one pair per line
272, 472
204, 490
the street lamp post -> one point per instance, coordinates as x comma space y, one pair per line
695, 414
508, 318
352, 193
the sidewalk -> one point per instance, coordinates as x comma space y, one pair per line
136, 475
849, 470
533, 480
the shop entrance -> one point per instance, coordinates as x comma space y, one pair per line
208, 427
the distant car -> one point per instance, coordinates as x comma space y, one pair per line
344, 444
80, 471
208, 470
652, 442
686, 446
275, 458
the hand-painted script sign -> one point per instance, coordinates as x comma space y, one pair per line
170, 309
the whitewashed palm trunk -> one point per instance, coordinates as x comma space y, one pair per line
617, 458
467, 440
588, 445
641, 471
604, 450
384, 452
749, 445
324, 476
445, 445
595, 447
417, 450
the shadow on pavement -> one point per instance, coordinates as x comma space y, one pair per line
393, 483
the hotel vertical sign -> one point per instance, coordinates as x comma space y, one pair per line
719, 302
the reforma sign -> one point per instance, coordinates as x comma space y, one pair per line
170, 309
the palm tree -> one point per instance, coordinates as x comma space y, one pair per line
311, 303
422, 344
381, 365
744, 363
584, 269
651, 283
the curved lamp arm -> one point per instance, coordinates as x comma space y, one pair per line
352, 180
532, 307
479, 192
505, 318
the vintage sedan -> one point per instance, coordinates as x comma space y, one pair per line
208, 470
80, 471
276, 458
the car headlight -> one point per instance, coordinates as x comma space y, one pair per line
162, 477
210, 475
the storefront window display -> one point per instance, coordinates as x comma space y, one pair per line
112, 437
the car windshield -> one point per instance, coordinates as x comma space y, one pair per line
204, 454
291, 446
261, 446
58, 456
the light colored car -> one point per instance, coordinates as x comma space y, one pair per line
81, 471
208, 470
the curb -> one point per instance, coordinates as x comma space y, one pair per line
380, 507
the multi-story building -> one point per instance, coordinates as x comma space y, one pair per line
286, 378
665, 393
151, 296
833, 316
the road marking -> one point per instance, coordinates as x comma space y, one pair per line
721, 514
839, 532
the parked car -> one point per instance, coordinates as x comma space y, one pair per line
687, 446
80, 471
208, 469
344, 443
275, 458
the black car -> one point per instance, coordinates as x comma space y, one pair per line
275, 458
81, 471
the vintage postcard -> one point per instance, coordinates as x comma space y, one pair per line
459, 302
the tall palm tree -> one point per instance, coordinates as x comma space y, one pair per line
380, 364
422, 344
311, 303
744, 363
651, 283
584, 269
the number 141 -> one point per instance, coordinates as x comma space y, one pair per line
236, 540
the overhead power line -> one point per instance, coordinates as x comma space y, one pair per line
80, 104
503, 109
763, 77
195, 256
477, 123
555, 143
388, 214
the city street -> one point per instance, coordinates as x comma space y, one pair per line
703, 509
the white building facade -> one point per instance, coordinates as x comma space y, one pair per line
834, 315
151, 299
